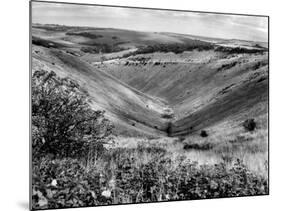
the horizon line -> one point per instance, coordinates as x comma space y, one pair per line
81, 26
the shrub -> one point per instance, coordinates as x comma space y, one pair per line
227, 66
85, 34
238, 50
175, 48
198, 146
169, 129
67, 183
167, 115
203, 133
63, 123
250, 124
94, 47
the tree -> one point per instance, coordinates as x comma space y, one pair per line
63, 123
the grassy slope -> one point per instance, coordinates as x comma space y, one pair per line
208, 87
207, 90
123, 104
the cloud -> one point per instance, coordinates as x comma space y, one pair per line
204, 24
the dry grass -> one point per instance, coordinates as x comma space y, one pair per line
250, 147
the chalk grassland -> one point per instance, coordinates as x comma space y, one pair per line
178, 104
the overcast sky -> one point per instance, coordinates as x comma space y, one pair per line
203, 24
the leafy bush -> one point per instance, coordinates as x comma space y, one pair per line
65, 183
203, 133
249, 124
63, 123
169, 129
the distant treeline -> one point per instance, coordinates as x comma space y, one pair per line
239, 50
193, 45
175, 48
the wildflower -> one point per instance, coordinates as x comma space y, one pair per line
112, 184
214, 185
54, 183
93, 194
106, 193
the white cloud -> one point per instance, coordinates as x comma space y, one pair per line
204, 24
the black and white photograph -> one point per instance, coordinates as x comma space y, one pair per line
137, 105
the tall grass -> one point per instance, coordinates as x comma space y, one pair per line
146, 171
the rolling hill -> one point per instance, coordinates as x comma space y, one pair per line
159, 84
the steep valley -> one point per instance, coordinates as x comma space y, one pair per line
158, 94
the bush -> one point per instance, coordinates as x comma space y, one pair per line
94, 47
65, 183
250, 124
169, 129
46, 43
238, 50
167, 115
227, 66
85, 34
175, 48
203, 133
63, 123
198, 146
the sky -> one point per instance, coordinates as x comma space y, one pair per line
203, 24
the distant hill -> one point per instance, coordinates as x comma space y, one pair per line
158, 83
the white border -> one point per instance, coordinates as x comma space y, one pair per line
14, 87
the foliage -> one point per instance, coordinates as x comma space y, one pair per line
67, 183
93, 48
227, 66
175, 48
198, 146
238, 50
203, 133
249, 124
63, 123
167, 115
73, 186
190, 46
